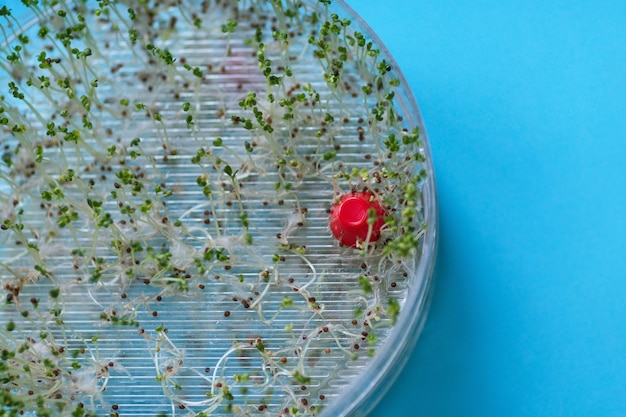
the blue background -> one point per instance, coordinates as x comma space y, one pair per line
525, 105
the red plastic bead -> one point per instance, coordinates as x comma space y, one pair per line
348, 218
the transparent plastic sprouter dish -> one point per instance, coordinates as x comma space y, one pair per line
167, 177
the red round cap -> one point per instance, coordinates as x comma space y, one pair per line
348, 218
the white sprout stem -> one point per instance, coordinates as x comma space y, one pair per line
265, 290
220, 367
313, 271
